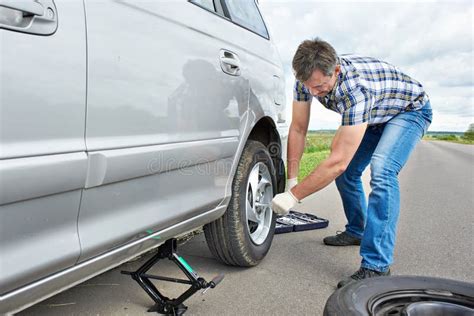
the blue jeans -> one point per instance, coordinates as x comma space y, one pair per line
386, 147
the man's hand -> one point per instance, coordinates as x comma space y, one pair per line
290, 183
283, 202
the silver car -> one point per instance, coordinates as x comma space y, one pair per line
125, 123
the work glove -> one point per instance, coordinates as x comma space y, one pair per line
290, 183
283, 202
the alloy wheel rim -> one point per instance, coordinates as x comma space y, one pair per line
257, 203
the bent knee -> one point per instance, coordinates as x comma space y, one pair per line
347, 178
384, 165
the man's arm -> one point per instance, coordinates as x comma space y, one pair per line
343, 147
297, 136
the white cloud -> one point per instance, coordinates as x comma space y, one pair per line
429, 40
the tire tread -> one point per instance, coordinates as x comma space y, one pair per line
226, 235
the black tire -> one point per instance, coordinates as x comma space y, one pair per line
393, 296
228, 237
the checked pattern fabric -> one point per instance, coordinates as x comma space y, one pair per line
368, 90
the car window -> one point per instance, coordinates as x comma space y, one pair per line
245, 13
207, 4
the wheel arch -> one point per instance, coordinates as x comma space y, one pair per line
265, 131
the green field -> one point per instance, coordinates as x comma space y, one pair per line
453, 138
316, 150
318, 144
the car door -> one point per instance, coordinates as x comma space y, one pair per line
42, 148
165, 114
266, 75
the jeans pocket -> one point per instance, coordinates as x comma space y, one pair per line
427, 112
428, 118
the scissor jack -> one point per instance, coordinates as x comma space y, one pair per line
163, 304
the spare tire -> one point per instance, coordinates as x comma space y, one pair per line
402, 295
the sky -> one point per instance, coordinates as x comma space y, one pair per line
431, 41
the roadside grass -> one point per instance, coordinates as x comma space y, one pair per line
317, 149
449, 138
309, 161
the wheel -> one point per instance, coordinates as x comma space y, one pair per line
403, 295
244, 234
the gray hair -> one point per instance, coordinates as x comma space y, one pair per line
313, 55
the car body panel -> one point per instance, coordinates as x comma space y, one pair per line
138, 99
69, 172
35, 292
118, 213
163, 130
116, 165
50, 118
42, 148
38, 237
180, 109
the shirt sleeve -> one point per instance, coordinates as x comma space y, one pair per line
357, 104
301, 93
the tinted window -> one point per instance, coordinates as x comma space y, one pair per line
245, 13
208, 4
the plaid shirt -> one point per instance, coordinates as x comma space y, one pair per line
368, 90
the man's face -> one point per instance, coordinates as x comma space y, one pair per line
319, 84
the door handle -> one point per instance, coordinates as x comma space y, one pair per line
37, 17
230, 62
28, 7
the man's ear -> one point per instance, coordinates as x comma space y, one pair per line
337, 70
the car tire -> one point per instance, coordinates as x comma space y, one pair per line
244, 234
402, 295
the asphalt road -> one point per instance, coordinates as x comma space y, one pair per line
435, 238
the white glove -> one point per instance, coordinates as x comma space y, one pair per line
290, 183
283, 202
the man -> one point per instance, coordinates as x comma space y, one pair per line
384, 115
